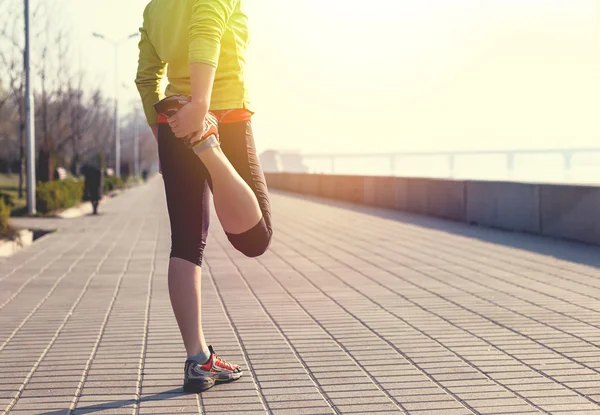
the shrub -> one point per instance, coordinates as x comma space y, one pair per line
4, 216
7, 199
57, 195
113, 183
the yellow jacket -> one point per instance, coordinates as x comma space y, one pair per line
176, 33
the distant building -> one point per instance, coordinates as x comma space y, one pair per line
273, 161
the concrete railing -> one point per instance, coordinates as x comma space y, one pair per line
567, 165
563, 211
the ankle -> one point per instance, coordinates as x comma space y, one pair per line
201, 357
205, 145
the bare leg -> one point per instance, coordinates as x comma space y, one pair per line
235, 203
184, 290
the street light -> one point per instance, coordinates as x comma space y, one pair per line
136, 144
136, 135
29, 117
116, 44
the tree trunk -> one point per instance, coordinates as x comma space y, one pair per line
46, 162
76, 165
21, 155
46, 174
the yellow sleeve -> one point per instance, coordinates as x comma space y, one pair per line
151, 70
209, 20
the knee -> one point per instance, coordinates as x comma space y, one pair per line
190, 252
254, 242
256, 248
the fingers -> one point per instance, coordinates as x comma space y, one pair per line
183, 124
173, 121
176, 126
180, 132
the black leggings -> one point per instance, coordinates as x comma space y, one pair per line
187, 185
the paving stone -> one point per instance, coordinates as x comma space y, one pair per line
369, 310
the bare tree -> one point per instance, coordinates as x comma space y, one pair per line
90, 121
97, 129
74, 126
55, 76
11, 60
147, 144
42, 63
79, 119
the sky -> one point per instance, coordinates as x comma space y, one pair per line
331, 76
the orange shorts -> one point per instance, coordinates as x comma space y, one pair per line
231, 116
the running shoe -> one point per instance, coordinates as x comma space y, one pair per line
200, 377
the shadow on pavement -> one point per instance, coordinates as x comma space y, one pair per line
97, 407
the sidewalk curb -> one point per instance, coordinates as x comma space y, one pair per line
77, 211
84, 208
24, 239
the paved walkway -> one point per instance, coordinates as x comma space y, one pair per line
354, 310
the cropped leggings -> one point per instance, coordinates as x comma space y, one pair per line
187, 186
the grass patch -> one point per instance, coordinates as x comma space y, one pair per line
9, 186
113, 183
58, 195
9, 234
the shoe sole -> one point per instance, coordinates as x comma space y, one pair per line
203, 384
198, 385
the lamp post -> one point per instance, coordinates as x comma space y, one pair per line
136, 135
136, 144
29, 118
116, 44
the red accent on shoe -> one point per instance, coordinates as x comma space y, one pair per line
216, 361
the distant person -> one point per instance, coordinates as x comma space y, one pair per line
204, 44
145, 174
94, 186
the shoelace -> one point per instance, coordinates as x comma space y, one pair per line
227, 364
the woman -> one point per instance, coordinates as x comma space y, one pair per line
204, 44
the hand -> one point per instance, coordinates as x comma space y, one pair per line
189, 119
